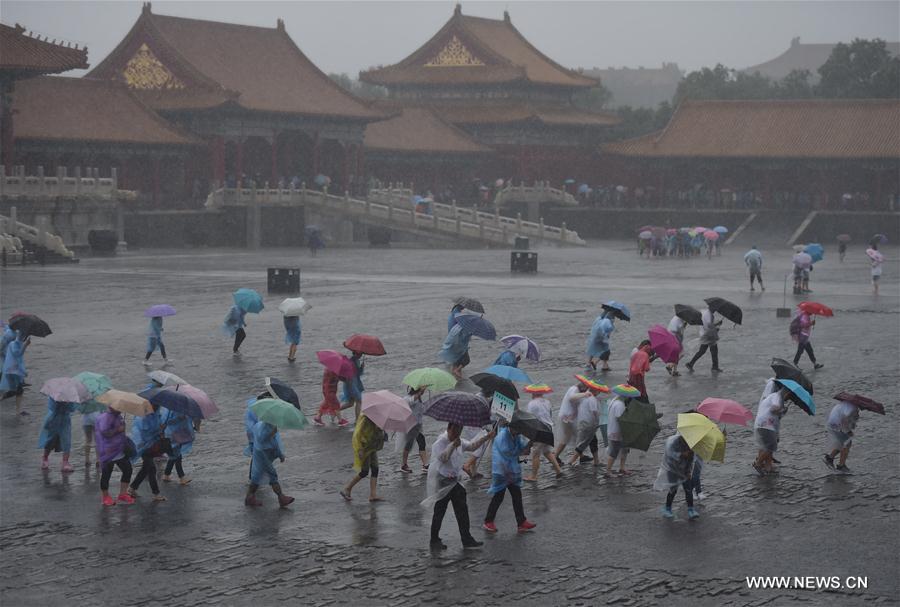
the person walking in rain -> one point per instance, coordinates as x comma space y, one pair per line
541, 409
444, 487
841, 425
56, 433
12, 383
640, 364
292, 332
676, 327
709, 339
875, 261
179, 429
616, 408
506, 475
598, 341
147, 433
767, 426
568, 414
330, 404
414, 400
588, 422
234, 325
353, 386
801, 331
113, 449
266, 449
675, 469
455, 349
154, 340
88, 421
754, 260
368, 439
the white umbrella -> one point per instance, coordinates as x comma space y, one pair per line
164, 378
294, 306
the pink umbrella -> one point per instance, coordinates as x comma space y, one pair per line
65, 390
337, 363
711, 235
725, 411
671, 231
666, 345
203, 400
388, 411
700, 229
875, 255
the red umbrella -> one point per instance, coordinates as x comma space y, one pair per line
365, 344
861, 401
664, 343
843, 237
337, 363
725, 411
812, 307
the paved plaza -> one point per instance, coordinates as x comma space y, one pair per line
597, 542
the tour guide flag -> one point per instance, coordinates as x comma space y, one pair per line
503, 406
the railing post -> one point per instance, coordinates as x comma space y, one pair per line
458, 226
519, 221
114, 175
77, 180
562, 232
390, 212
13, 222
542, 227
497, 217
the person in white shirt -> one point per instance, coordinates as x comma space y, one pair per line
541, 409
676, 328
414, 400
709, 340
443, 484
568, 413
772, 408
614, 431
841, 425
588, 421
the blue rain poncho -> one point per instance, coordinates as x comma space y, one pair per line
292, 330
507, 358
57, 425
145, 431
14, 371
234, 320
456, 345
7, 338
250, 420
451, 319
266, 449
598, 341
179, 430
154, 334
505, 467
353, 387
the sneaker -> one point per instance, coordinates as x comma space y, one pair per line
317, 420
717, 370
829, 461
236, 354
842, 468
490, 527
759, 469
526, 526
132, 492
147, 363
689, 367
693, 514
284, 501
818, 366
67, 467
159, 497
168, 361
251, 500
124, 498
166, 478
406, 469
472, 543
701, 496
184, 481
437, 544
667, 512
343, 422
108, 500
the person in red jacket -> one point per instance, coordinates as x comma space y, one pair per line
640, 364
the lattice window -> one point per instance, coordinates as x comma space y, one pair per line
454, 54
145, 71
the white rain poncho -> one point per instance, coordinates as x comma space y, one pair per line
674, 469
444, 471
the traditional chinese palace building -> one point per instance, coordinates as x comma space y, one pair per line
484, 77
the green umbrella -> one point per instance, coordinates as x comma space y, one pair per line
638, 425
436, 379
95, 383
279, 413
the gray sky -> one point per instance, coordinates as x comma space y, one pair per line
350, 36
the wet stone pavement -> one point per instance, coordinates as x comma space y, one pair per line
597, 541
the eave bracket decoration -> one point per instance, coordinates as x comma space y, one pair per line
144, 71
454, 54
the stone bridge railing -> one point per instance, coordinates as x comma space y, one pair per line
538, 193
39, 236
18, 185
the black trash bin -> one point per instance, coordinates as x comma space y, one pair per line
523, 261
284, 280
521, 243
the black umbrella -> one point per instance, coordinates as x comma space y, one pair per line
788, 370
29, 324
278, 389
638, 424
688, 314
531, 427
493, 383
469, 304
724, 307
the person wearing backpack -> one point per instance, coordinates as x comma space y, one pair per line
801, 329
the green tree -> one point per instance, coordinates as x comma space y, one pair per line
594, 98
358, 88
795, 85
863, 69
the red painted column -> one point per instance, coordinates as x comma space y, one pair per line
217, 158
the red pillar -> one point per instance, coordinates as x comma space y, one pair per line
274, 180
217, 156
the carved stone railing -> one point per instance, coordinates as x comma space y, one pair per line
538, 193
14, 183
14, 229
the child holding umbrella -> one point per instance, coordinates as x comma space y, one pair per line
540, 408
674, 470
414, 400
266, 448
292, 332
841, 425
506, 475
56, 432
179, 429
598, 341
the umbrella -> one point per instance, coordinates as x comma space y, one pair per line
645, 235
700, 229
688, 314
530, 347
337, 363
279, 413
591, 383
65, 390
312, 229
619, 310
724, 307
788, 370
477, 326
159, 310
815, 251
638, 425
538, 389
469, 304
498, 183
645, 229
861, 401
874, 255
671, 231
666, 345
173, 401
802, 260
813, 307
388, 411
275, 388
126, 402
460, 408
569, 181
294, 306
437, 380
95, 383
843, 237
799, 395
626, 390
493, 383
164, 378
321, 179
29, 324
711, 235
879, 239
702, 436
720, 229
725, 411
207, 405
365, 344
531, 427
510, 373
248, 300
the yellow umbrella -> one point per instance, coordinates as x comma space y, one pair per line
702, 436
126, 402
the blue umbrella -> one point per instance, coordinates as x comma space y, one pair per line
720, 229
248, 300
816, 251
510, 373
173, 401
477, 326
801, 397
620, 310
159, 310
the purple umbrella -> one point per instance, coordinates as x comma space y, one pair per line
159, 310
66, 390
461, 408
666, 345
523, 346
